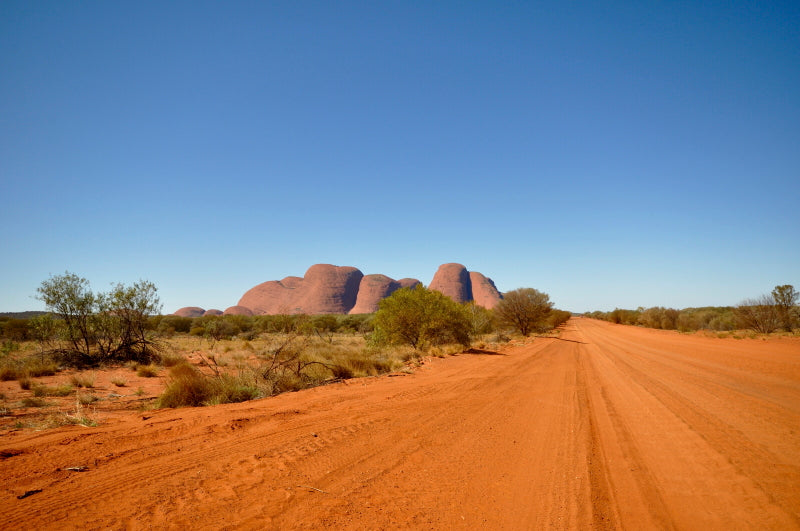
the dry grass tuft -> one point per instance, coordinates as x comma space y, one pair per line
171, 360
147, 371
83, 380
189, 387
29, 401
60, 390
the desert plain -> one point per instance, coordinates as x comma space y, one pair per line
604, 427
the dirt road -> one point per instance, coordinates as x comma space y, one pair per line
607, 427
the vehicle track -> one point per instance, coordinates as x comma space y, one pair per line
606, 427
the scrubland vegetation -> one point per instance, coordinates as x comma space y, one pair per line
231, 358
764, 315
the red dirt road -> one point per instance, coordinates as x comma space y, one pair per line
607, 427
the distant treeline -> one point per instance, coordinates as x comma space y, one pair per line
5, 316
247, 327
719, 318
764, 314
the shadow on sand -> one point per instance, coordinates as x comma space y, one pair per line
572, 341
482, 351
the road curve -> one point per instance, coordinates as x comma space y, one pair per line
607, 427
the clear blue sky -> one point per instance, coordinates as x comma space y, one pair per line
609, 153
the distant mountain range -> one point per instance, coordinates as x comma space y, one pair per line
19, 315
330, 289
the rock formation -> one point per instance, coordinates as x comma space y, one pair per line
329, 289
190, 311
453, 280
463, 286
237, 310
324, 289
372, 290
484, 292
408, 282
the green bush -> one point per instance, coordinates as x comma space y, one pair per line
421, 318
525, 310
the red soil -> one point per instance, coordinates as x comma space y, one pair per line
607, 427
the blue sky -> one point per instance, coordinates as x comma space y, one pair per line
609, 154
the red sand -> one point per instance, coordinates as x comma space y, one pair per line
608, 427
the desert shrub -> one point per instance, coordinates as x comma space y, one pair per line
279, 324
760, 315
101, 327
421, 317
7, 347
481, 320
170, 360
17, 330
242, 324
524, 310
119, 382
25, 383
85, 399
558, 318
46, 329
170, 324
147, 371
82, 380
30, 366
234, 388
325, 323
33, 402
37, 366
8, 373
188, 387
215, 327
785, 300
357, 323
60, 390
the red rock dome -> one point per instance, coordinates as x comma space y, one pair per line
190, 311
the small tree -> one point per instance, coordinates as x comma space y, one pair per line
420, 317
45, 330
524, 310
104, 326
760, 314
785, 298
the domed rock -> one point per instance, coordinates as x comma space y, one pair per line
484, 292
292, 282
372, 290
329, 289
453, 280
324, 289
190, 311
238, 310
270, 298
212, 312
408, 282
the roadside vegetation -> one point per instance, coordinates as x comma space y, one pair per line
777, 311
94, 350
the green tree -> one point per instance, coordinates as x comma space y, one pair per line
102, 327
524, 309
69, 297
785, 300
45, 329
420, 317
